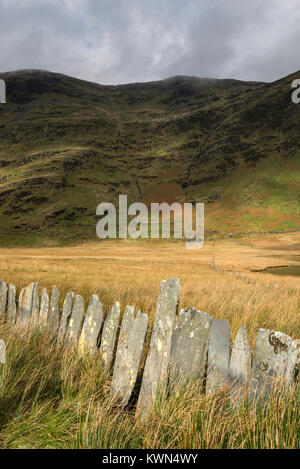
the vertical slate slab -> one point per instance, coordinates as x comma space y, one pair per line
297, 345
76, 320
26, 305
91, 326
218, 356
2, 352
240, 365
65, 315
129, 353
11, 303
3, 297
20, 303
53, 318
156, 368
44, 308
274, 359
189, 346
109, 335
240, 360
35, 313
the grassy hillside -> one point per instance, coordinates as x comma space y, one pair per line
67, 145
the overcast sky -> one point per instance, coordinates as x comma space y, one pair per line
121, 41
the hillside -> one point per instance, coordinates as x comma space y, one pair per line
67, 145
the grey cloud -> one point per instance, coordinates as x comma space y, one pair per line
119, 41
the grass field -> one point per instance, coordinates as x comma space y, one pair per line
130, 271
52, 398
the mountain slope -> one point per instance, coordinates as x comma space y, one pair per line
67, 145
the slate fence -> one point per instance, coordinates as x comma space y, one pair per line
189, 347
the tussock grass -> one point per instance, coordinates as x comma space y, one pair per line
51, 398
130, 272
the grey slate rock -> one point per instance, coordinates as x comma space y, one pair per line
155, 374
240, 360
3, 297
53, 317
2, 352
20, 304
91, 327
76, 320
26, 307
109, 335
65, 315
274, 362
218, 356
35, 312
129, 353
11, 304
44, 308
240, 364
189, 347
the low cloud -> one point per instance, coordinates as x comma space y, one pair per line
120, 41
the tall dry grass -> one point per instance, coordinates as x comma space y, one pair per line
130, 271
51, 398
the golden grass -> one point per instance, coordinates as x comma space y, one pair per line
130, 271
52, 398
